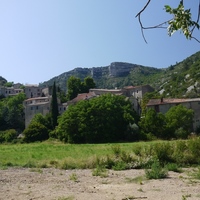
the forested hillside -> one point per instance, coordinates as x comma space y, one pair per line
182, 79
179, 80
117, 74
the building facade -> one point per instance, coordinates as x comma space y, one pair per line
32, 91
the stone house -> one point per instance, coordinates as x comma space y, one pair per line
9, 91
41, 105
163, 105
135, 94
32, 91
137, 91
34, 106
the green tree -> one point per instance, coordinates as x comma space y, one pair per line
61, 95
8, 135
102, 119
88, 84
54, 107
181, 19
44, 120
8, 84
35, 132
73, 87
179, 121
38, 129
153, 124
12, 112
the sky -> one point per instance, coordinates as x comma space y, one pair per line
41, 39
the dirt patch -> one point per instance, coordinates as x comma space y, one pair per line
55, 184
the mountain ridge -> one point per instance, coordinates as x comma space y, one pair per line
116, 71
179, 80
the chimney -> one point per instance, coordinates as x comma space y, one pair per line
161, 100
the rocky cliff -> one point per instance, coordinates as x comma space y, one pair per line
105, 77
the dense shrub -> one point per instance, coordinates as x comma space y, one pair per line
156, 171
36, 132
102, 119
163, 152
8, 135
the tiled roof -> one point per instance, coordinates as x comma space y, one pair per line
83, 96
170, 101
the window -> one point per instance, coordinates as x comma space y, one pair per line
36, 107
157, 108
31, 108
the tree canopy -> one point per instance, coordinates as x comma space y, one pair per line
38, 129
175, 123
12, 112
102, 119
75, 86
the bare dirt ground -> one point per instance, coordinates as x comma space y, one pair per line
55, 184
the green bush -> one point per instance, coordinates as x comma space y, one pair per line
36, 132
194, 149
181, 133
156, 171
100, 171
180, 147
8, 135
163, 152
173, 167
120, 165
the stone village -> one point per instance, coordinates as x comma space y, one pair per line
38, 100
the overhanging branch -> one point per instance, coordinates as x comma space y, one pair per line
161, 25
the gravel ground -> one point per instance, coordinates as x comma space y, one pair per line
56, 184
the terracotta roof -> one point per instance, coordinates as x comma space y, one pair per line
83, 96
170, 101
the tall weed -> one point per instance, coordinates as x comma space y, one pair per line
156, 171
163, 152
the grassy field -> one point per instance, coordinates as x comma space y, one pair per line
80, 156
57, 154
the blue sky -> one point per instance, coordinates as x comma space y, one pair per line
40, 39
